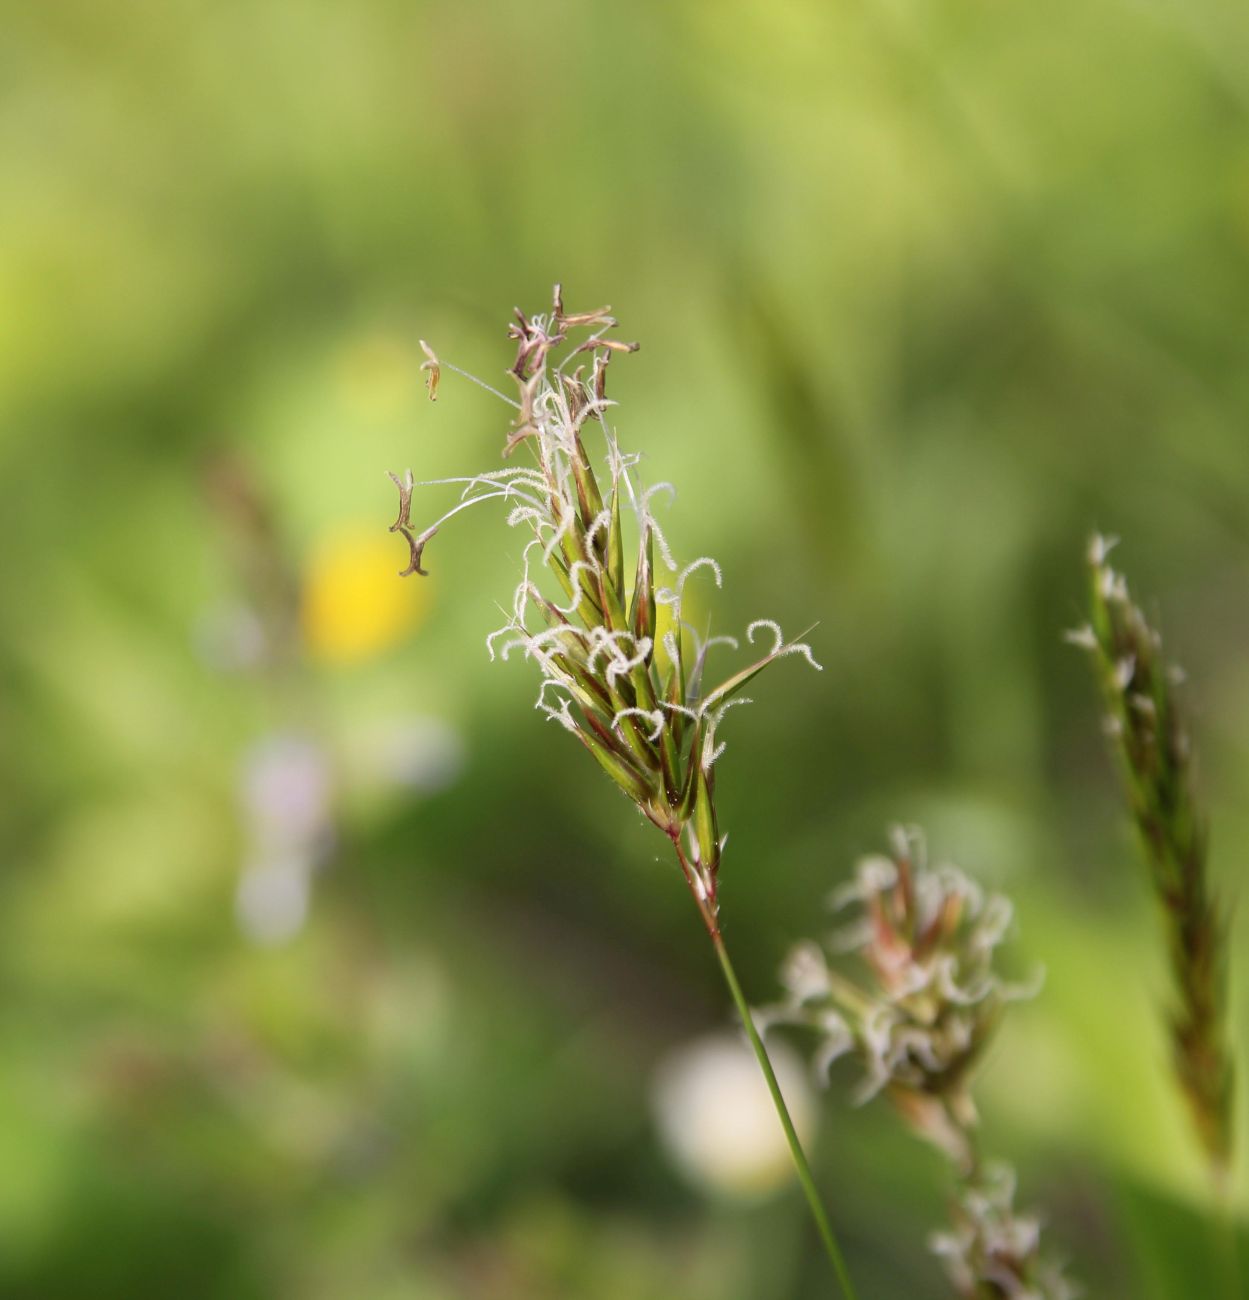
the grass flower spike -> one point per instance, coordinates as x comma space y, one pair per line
598, 610
588, 614
917, 1022
993, 1252
922, 1020
1149, 734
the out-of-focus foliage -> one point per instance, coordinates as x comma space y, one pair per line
326, 969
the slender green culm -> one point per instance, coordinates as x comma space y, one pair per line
805, 1178
621, 669
1151, 741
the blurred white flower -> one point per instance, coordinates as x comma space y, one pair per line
271, 901
419, 753
287, 795
286, 790
716, 1118
230, 638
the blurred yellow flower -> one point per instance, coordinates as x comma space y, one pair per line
354, 605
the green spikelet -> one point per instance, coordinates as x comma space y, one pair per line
625, 774
1156, 758
706, 831
615, 543
642, 608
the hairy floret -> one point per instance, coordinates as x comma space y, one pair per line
993, 1252
917, 1025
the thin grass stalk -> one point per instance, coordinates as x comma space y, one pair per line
805, 1177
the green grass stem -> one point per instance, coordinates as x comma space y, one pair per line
803, 1169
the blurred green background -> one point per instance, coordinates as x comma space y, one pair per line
326, 969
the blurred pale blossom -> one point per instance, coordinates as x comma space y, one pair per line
230, 638
287, 789
271, 901
416, 753
717, 1120
287, 795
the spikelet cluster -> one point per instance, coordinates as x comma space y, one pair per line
916, 1020
931, 1001
992, 1252
1148, 732
586, 611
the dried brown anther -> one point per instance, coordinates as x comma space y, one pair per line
417, 546
435, 370
405, 486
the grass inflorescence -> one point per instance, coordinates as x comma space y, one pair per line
1150, 736
621, 670
634, 693
916, 1017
